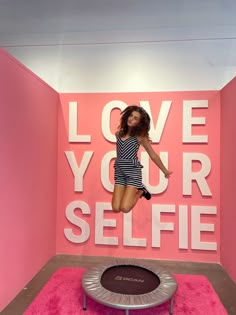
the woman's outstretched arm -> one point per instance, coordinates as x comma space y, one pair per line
154, 156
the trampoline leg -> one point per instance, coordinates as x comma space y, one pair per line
84, 302
126, 312
171, 305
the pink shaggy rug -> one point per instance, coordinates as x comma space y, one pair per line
63, 295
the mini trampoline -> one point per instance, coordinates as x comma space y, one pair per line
128, 284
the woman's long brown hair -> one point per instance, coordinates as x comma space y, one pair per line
143, 127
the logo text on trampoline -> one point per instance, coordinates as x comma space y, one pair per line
128, 279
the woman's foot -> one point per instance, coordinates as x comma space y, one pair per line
146, 194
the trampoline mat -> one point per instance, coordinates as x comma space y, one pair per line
129, 279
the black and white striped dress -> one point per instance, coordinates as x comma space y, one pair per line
128, 170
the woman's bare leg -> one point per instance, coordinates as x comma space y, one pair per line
130, 197
118, 194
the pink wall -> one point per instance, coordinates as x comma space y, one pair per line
85, 222
28, 160
228, 175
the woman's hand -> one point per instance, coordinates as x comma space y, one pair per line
168, 173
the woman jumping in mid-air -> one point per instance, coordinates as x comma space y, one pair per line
132, 131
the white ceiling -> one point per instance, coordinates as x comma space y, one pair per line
85, 45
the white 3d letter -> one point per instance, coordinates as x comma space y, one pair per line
163, 182
73, 125
78, 172
105, 170
199, 177
106, 112
83, 225
157, 225
156, 132
127, 233
188, 121
100, 223
197, 227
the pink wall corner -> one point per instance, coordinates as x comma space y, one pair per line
228, 175
28, 175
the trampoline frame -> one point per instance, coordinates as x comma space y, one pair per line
91, 283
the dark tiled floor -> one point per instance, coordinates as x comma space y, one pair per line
223, 285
